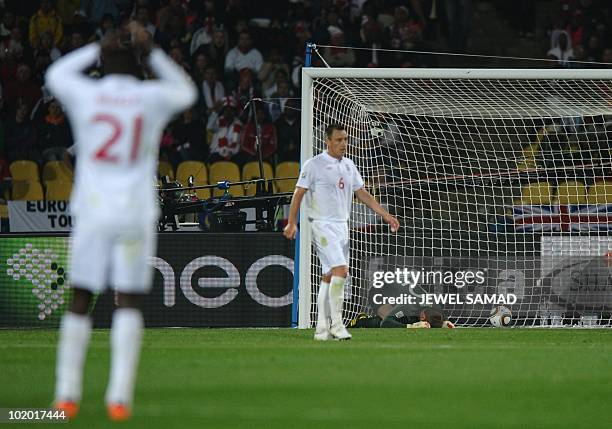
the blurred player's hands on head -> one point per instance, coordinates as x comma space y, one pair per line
290, 231
448, 324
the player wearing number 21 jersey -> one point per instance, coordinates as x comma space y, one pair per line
329, 181
117, 122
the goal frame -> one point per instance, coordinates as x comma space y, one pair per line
303, 257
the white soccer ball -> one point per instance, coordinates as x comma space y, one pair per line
500, 316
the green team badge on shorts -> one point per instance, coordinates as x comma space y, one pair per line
323, 241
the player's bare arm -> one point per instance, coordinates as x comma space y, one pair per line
291, 229
368, 199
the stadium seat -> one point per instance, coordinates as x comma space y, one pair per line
58, 190
199, 172
4, 211
24, 170
287, 169
224, 170
56, 170
536, 194
251, 171
164, 168
26, 190
600, 193
571, 192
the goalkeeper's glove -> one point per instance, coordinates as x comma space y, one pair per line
448, 324
421, 324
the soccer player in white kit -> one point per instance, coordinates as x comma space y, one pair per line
332, 180
117, 122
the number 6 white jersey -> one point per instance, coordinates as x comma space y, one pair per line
331, 184
117, 122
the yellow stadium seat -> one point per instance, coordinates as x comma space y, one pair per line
571, 192
56, 170
24, 170
536, 194
198, 170
164, 168
251, 171
224, 170
58, 190
600, 193
287, 169
25, 190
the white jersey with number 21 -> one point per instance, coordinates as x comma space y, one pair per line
117, 123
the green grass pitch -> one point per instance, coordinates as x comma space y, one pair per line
387, 378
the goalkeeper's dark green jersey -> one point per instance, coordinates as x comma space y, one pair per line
400, 316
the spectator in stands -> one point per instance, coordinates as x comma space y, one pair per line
54, 134
190, 137
45, 19
81, 24
172, 9
212, 90
338, 57
66, 10
267, 137
11, 51
198, 71
279, 99
106, 24
20, 139
371, 37
203, 36
226, 129
404, 34
170, 25
76, 41
7, 24
23, 88
288, 132
562, 49
47, 46
176, 53
244, 55
270, 69
217, 51
143, 16
245, 91
593, 48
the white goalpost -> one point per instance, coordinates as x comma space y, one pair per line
506, 173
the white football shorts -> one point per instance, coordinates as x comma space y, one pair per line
102, 256
331, 240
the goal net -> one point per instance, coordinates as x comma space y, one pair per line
502, 182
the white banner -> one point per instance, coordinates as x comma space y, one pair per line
39, 216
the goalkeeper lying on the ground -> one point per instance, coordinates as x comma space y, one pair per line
403, 315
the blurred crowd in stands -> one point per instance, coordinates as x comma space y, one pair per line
581, 31
235, 50
238, 50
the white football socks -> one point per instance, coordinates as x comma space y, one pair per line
126, 336
323, 310
75, 331
336, 299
